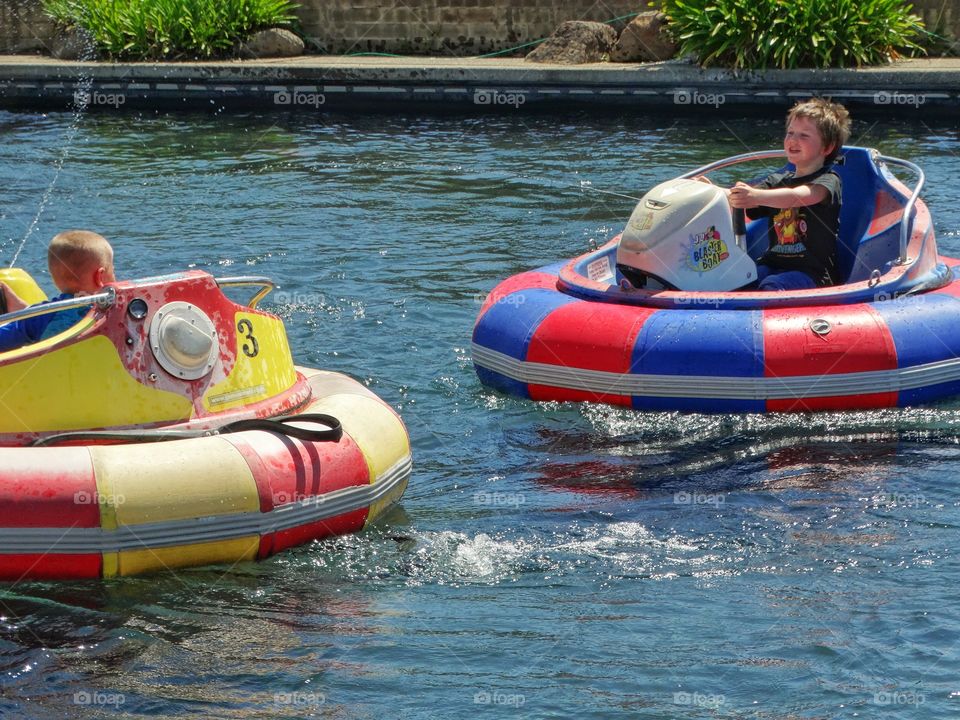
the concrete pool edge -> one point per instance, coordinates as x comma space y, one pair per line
909, 88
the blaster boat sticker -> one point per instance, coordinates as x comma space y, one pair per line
707, 250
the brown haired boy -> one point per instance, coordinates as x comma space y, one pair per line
803, 205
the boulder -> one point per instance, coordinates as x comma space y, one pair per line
272, 42
74, 44
645, 39
576, 42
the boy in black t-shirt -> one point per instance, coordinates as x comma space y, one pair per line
803, 206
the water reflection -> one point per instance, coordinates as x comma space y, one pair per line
776, 455
195, 636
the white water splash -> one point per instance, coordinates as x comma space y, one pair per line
81, 100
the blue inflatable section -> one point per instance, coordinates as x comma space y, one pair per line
698, 343
925, 329
507, 327
552, 269
502, 383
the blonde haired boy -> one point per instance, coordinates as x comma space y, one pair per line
80, 263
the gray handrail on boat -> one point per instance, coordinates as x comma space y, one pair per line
905, 223
265, 283
908, 208
103, 299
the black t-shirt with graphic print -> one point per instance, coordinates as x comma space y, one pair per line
803, 238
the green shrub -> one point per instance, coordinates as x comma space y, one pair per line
154, 29
756, 34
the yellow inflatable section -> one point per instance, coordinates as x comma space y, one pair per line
23, 285
175, 481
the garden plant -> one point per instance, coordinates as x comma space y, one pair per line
169, 29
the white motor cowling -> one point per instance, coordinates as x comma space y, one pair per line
681, 236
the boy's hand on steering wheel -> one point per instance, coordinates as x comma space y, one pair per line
742, 195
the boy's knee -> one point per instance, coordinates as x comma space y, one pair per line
791, 280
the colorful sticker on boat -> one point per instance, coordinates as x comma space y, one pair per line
646, 222
707, 250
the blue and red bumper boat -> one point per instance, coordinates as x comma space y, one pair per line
889, 336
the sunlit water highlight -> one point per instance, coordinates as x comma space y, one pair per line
548, 560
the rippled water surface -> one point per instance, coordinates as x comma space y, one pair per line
548, 560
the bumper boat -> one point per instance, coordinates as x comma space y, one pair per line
679, 331
170, 428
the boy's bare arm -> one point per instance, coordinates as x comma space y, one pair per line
14, 302
744, 196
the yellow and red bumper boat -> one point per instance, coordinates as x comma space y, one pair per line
170, 428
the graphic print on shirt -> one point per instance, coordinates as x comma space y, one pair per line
790, 226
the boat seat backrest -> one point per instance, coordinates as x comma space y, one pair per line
866, 194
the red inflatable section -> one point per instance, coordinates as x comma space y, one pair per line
850, 339
49, 488
590, 336
50, 566
288, 470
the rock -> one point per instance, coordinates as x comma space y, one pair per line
645, 39
74, 44
576, 42
272, 42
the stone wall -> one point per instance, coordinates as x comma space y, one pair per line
943, 18
475, 27
435, 27
445, 27
23, 26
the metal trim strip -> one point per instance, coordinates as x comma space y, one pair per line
75, 540
719, 387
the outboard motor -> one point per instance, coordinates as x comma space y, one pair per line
681, 235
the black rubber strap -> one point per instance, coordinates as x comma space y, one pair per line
116, 437
331, 432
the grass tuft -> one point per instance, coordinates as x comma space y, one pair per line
760, 34
169, 29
